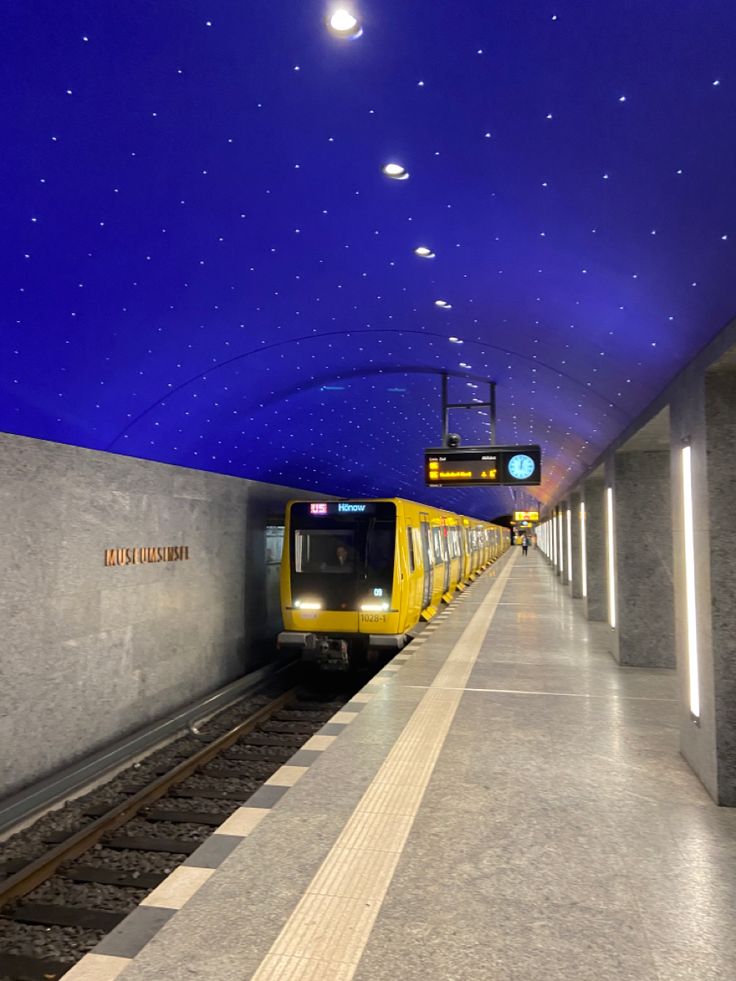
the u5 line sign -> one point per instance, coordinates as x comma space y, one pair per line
480, 466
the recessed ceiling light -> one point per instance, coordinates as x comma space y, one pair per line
444, 305
344, 24
396, 172
454, 340
424, 252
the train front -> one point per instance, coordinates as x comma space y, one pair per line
337, 581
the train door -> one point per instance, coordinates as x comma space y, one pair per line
426, 560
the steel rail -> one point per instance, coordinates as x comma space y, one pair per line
43, 867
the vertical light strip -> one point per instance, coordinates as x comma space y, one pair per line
569, 544
692, 623
583, 552
561, 541
554, 539
611, 558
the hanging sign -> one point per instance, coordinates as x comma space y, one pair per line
477, 466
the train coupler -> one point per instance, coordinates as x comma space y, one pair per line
328, 653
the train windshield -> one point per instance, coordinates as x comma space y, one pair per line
344, 559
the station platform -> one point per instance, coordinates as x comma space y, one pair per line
502, 801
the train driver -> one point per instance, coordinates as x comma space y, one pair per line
342, 561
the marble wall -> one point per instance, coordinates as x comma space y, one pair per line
595, 540
645, 634
697, 740
576, 580
720, 420
91, 652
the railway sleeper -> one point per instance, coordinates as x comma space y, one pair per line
65, 916
209, 818
105, 876
142, 843
213, 793
25, 968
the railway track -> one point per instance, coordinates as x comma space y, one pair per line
58, 903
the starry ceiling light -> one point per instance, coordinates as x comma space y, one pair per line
209, 333
342, 23
396, 172
423, 252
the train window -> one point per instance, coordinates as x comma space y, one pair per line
325, 550
274, 544
410, 541
447, 535
427, 543
438, 547
380, 542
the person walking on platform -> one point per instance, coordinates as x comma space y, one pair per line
524, 544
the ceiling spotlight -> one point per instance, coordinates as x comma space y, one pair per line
443, 304
396, 172
343, 24
424, 252
454, 340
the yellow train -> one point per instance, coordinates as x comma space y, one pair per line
357, 575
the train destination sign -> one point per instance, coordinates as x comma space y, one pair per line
478, 466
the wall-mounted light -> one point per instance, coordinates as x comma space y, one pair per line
611, 558
583, 552
554, 539
691, 608
569, 544
561, 541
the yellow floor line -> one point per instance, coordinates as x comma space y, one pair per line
325, 936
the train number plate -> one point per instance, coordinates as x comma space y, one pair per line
372, 617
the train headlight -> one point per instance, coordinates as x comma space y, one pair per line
307, 604
374, 607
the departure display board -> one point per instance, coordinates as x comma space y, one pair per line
526, 516
477, 466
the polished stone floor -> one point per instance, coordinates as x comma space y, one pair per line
504, 802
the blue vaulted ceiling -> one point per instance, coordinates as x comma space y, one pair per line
204, 264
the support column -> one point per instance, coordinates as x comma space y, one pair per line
720, 421
576, 582
566, 571
559, 531
704, 420
697, 736
595, 538
645, 629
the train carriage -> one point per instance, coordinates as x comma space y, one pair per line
357, 575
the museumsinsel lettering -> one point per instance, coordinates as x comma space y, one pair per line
141, 556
